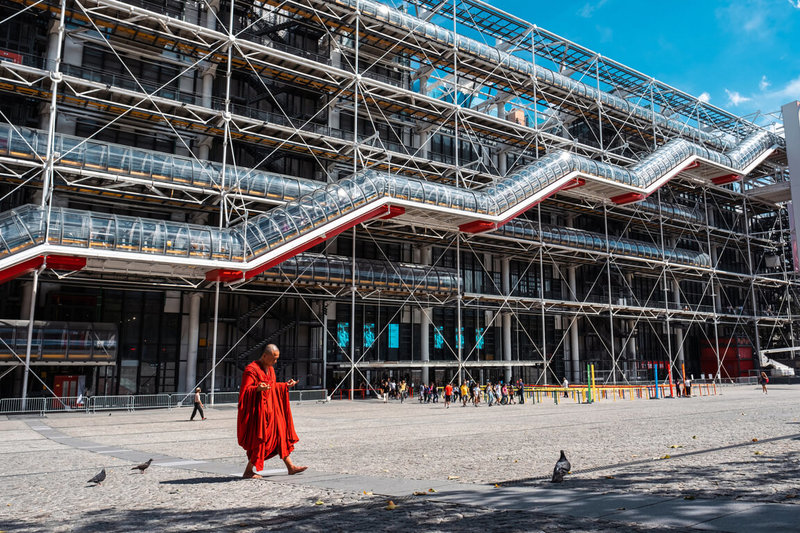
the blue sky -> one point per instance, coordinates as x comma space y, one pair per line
744, 56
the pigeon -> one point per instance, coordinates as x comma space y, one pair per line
562, 468
142, 467
99, 478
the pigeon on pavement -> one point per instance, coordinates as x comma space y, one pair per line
99, 477
142, 467
562, 468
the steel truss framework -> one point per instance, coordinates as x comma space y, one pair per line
654, 242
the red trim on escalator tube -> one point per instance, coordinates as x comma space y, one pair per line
56, 262
727, 178
627, 198
21, 269
65, 262
477, 226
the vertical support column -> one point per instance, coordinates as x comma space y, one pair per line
31, 312
665, 285
459, 322
193, 340
53, 48
505, 285
424, 256
574, 341
715, 300
751, 270
353, 319
678, 330
609, 262
208, 71
424, 341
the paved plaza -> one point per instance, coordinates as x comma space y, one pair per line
727, 463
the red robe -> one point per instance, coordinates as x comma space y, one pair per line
264, 424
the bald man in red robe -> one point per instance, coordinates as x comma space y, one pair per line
264, 424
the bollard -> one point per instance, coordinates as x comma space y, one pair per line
555, 397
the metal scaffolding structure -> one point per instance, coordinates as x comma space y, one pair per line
439, 191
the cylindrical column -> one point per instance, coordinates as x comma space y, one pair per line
34, 288
424, 341
53, 50
505, 280
507, 346
574, 342
194, 338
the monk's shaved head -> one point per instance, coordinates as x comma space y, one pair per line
271, 349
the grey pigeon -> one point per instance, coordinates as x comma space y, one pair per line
142, 467
562, 468
99, 478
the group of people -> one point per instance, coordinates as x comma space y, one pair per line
471, 392
264, 423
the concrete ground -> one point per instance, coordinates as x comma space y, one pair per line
728, 463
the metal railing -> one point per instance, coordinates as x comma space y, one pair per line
132, 402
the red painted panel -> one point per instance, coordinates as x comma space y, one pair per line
225, 276
20, 269
65, 262
627, 198
573, 183
728, 178
394, 211
477, 226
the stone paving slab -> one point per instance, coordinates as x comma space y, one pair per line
557, 500
738, 454
765, 517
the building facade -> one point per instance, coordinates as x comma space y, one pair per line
429, 190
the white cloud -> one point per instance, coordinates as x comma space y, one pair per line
734, 98
589, 8
704, 97
768, 100
795, 3
764, 83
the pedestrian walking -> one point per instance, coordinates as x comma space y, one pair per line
403, 391
763, 381
464, 394
448, 395
198, 405
565, 386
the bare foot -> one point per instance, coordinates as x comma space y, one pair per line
296, 469
251, 475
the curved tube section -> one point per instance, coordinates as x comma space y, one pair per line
410, 23
264, 241
588, 240
109, 159
333, 270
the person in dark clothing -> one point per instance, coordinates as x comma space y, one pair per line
198, 405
